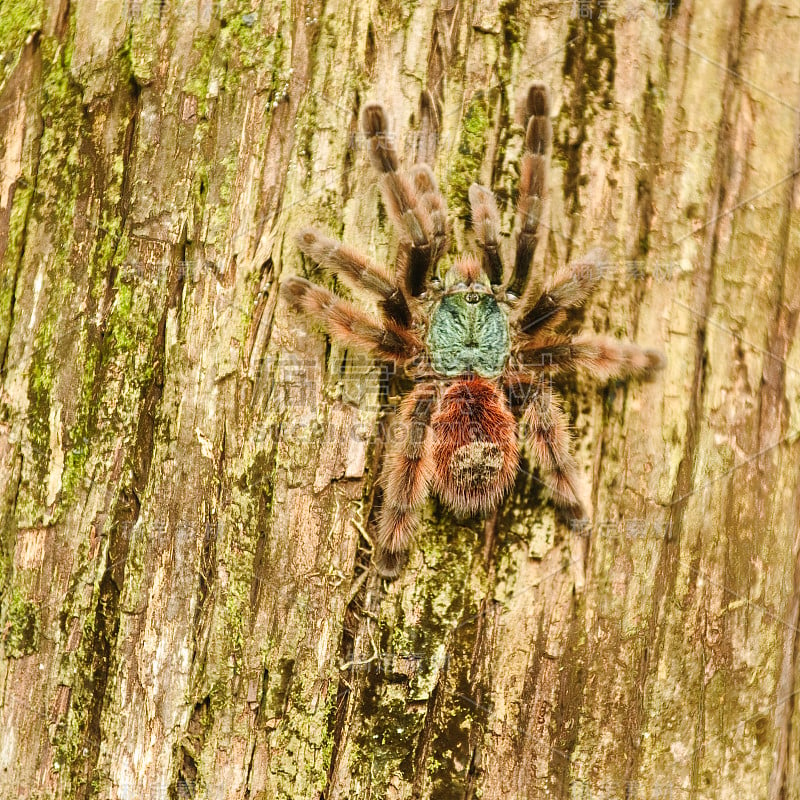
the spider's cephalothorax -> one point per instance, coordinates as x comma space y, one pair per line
481, 343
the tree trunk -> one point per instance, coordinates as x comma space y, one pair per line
187, 470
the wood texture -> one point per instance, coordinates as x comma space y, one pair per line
187, 471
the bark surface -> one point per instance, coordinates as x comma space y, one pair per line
187, 471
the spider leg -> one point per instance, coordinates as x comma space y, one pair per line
603, 356
570, 288
532, 182
546, 430
486, 223
411, 217
406, 476
609, 358
431, 197
358, 270
520, 386
349, 324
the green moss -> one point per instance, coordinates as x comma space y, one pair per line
125, 341
463, 717
466, 162
236, 606
197, 80
132, 326
82, 432
305, 135
126, 349
240, 45
302, 748
143, 42
104, 252
224, 179
222, 60
244, 38
397, 15
87, 672
57, 168
23, 194
18, 19
20, 207
589, 67
431, 617
200, 186
60, 161
21, 626
40, 389
8, 536
510, 16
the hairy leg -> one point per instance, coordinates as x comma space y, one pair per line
546, 430
350, 325
602, 356
521, 385
358, 270
410, 216
532, 183
428, 190
406, 476
608, 358
570, 288
486, 224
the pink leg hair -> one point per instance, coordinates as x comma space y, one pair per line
357, 270
608, 358
546, 431
601, 356
406, 476
431, 197
532, 183
349, 324
486, 224
412, 218
569, 288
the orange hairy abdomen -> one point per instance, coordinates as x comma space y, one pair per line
475, 449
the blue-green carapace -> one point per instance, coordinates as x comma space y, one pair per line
468, 333
480, 339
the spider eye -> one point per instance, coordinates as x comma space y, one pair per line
472, 297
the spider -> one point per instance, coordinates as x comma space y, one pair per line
480, 342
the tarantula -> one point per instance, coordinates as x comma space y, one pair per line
480, 344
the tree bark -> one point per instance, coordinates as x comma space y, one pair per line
187, 607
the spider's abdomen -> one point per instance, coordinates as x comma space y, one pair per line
475, 450
468, 334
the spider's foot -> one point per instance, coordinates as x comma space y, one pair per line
656, 361
390, 564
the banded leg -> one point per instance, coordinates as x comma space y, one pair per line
406, 476
358, 270
486, 224
350, 325
570, 288
409, 214
521, 386
602, 356
608, 358
546, 431
431, 197
532, 183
